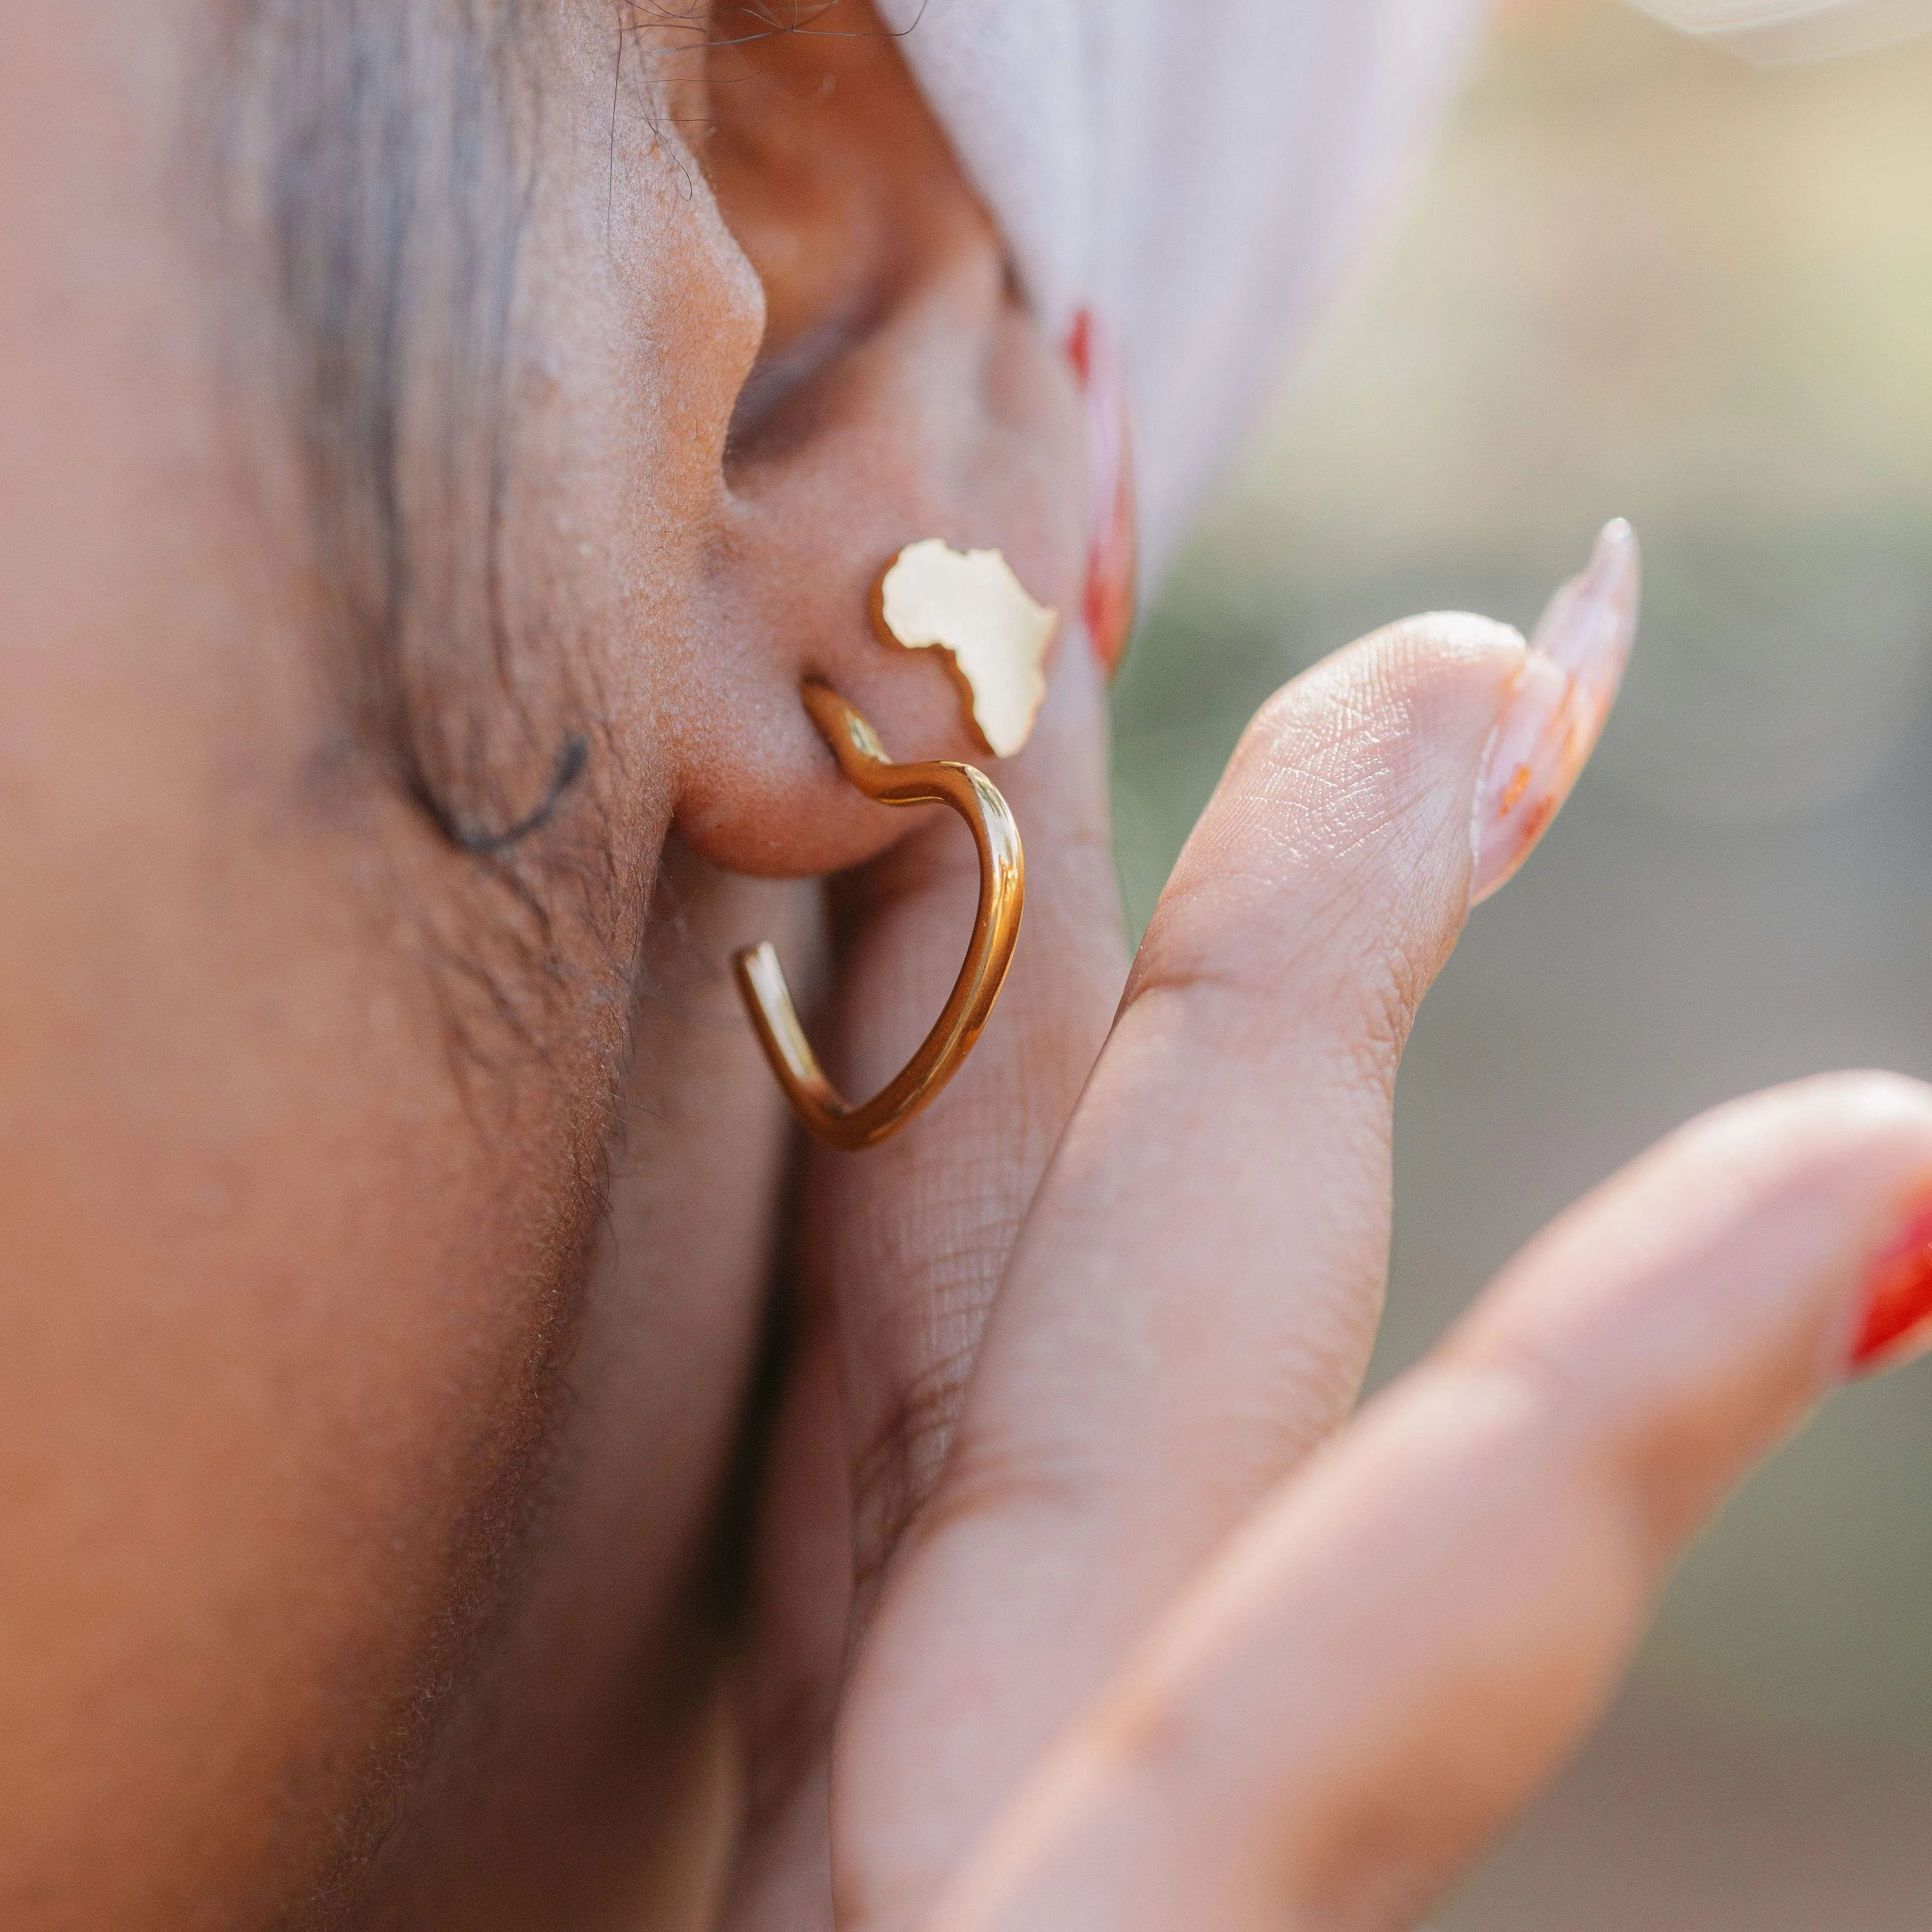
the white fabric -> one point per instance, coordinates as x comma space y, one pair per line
1200, 172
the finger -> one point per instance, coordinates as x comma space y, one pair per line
1195, 1297
1404, 1645
797, 1599
911, 1240
902, 1249
1252, 1067
1557, 711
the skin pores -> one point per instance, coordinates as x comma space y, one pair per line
380, 1312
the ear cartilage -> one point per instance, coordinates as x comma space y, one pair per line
968, 605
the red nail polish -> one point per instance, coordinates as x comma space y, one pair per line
1107, 601
1898, 1296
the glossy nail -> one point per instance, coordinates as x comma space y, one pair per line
1897, 1321
1113, 564
1556, 711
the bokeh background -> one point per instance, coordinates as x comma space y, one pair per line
1642, 279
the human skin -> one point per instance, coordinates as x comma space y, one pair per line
452, 1455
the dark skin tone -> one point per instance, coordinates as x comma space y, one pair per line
545, 1430
465, 1464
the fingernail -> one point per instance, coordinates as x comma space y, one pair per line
1107, 597
1897, 1319
1556, 713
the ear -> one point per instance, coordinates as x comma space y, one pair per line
903, 390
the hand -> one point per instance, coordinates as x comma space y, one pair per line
1144, 1631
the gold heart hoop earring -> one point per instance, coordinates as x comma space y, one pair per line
972, 608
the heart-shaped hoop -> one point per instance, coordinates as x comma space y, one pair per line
995, 929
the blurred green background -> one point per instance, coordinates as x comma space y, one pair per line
1644, 279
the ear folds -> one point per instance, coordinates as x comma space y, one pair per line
901, 393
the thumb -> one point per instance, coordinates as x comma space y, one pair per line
1193, 1299
909, 1243
902, 1249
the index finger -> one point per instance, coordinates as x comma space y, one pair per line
1405, 1642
